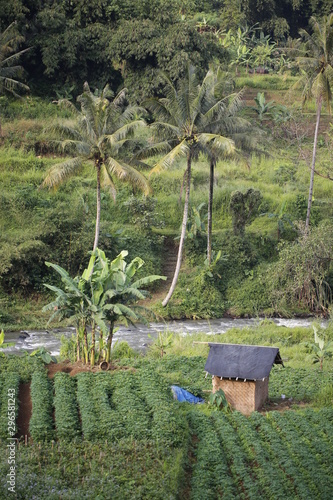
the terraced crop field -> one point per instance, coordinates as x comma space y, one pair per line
121, 435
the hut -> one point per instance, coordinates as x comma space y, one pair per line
242, 372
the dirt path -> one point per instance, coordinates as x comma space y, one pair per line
25, 410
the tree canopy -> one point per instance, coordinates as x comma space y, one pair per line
121, 42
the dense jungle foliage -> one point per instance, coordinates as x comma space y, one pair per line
124, 42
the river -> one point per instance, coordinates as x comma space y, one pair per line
138, 338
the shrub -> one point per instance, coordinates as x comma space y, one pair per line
201, 298
251, 297
299, 276
244, 207
121, 349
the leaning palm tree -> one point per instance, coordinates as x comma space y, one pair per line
99, 134
317, 78
181, 118
9, 56
228, 123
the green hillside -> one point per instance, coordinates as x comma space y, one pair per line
39, 225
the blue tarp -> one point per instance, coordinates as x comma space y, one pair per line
184, 396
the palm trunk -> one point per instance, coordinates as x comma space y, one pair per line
183, 233
92, 355
109, 342
182, 187
319, 104
210, 210
98, 211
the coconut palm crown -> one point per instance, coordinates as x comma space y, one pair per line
99, 134
181, 118
9, 56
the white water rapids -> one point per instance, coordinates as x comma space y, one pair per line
137, 338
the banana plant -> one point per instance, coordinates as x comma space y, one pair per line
319, 350
210, 267
117, 291
105, 294
262, 107
162, 342
197, 223
282, 218
218, 401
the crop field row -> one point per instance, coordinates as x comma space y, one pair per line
274, 456
105, 407
122, 434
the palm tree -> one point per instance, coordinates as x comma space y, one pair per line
228, 123
9, 70
317, 78
181, 118
99, 134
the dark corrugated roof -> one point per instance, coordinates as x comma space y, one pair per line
249, 362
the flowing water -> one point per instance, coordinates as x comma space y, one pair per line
140, 337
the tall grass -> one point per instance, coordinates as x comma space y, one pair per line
32, 108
